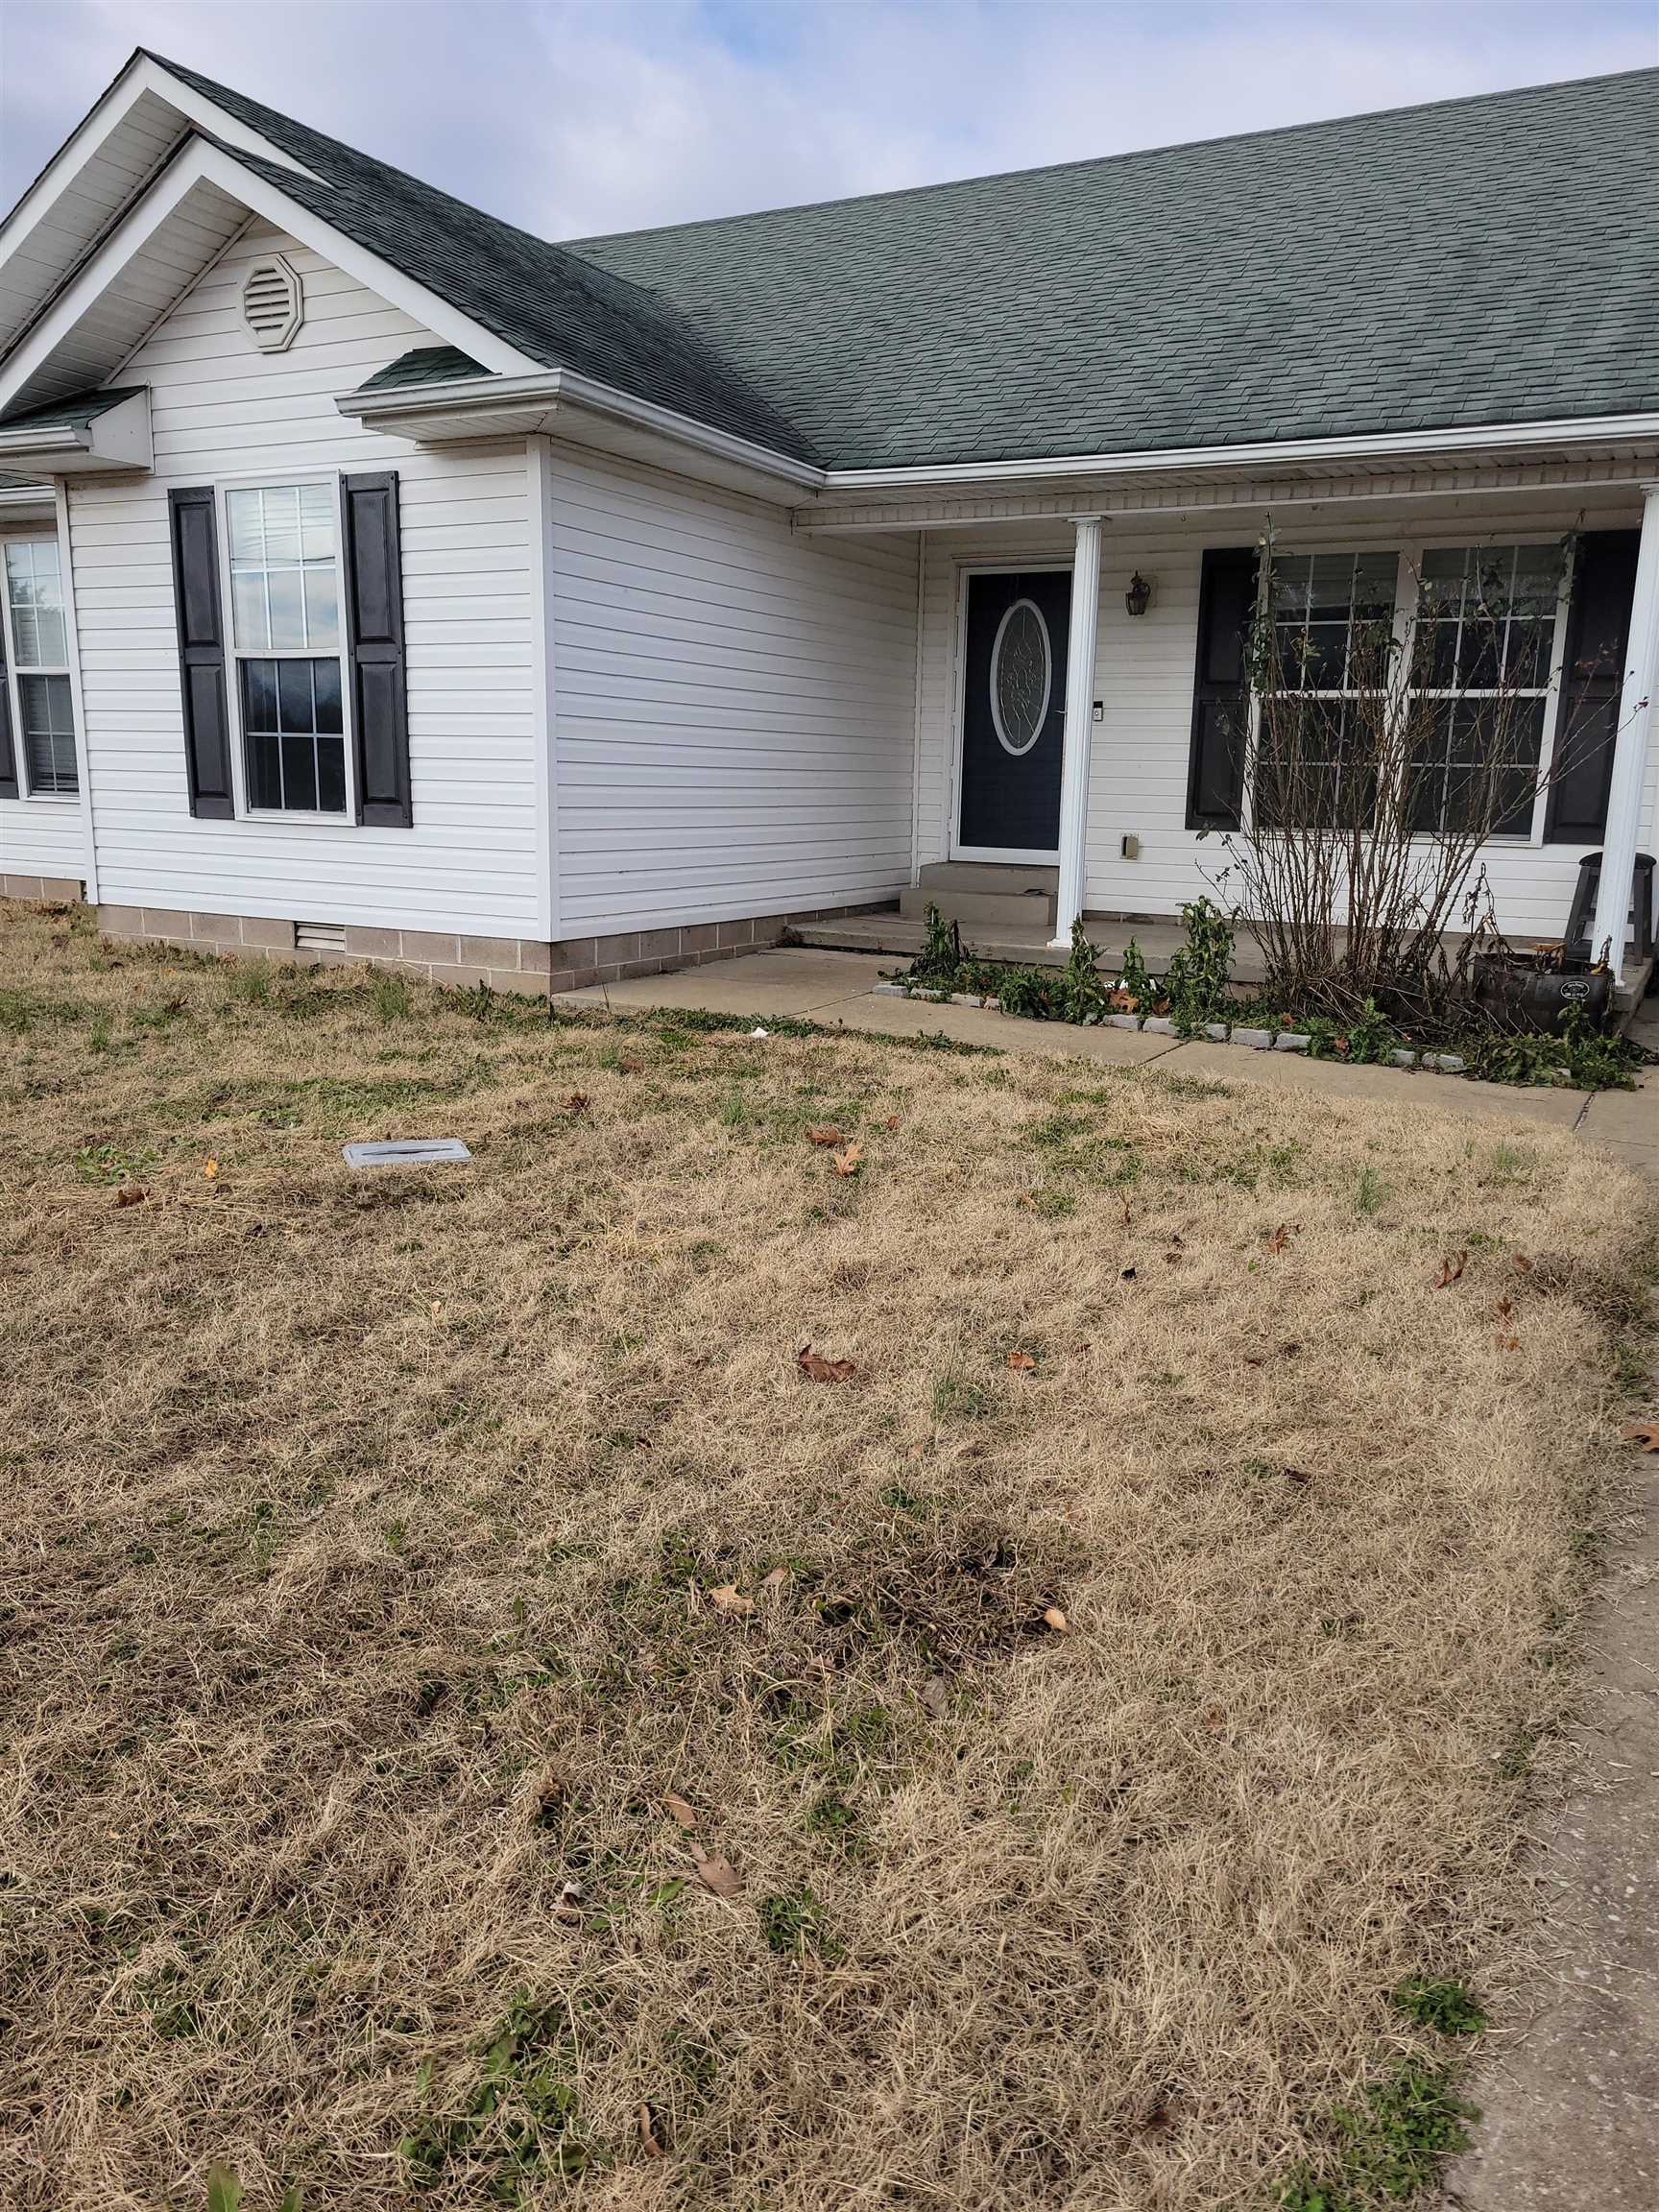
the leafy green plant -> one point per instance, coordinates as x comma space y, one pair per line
792, 1922
1445, 2005
1581, 1057
1200, 970
1392, 2146
935, 966
1135, 981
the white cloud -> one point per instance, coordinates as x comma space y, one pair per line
572, 118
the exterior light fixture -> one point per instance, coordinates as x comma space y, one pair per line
1139, 596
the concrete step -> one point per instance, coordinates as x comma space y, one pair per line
983, 909
976, 878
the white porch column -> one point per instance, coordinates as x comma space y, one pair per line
1637, 720
1079, 722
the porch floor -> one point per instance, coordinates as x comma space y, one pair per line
1024, 944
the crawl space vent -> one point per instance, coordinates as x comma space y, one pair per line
319, 936
273, 304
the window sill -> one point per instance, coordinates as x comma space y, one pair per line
49, 798
290, 816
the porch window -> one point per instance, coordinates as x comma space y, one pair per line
1332, 616
1483, 648
285, 621
38, 642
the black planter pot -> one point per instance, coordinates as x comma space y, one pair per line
1522, 997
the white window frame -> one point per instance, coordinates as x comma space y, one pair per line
15, 672
299, 817
1409, 563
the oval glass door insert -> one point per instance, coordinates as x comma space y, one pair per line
1021, 677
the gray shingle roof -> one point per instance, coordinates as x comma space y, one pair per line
73, 413
560, 310
425, 365
1484, 260
1478, 261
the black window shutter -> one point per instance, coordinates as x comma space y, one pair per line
1592, 685
373, 568
201, 619
1221, 689
9, 784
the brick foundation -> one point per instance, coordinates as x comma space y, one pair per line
451, 957
54, 890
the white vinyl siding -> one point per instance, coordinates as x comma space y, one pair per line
1144, 677
736, 704
226, 414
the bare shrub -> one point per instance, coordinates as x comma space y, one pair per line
1392, 737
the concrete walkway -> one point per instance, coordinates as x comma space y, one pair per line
838, 988
1569, 2096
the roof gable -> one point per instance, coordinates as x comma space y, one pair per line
554, 306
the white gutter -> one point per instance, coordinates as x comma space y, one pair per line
1407, 445
554, 388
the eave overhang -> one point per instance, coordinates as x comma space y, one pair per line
561, 402
105, 433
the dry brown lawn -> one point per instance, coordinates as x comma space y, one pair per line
1089, 1710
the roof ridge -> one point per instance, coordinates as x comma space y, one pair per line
1108, 161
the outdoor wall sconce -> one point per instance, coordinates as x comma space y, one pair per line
1139, 596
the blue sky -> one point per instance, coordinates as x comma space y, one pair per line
578, 118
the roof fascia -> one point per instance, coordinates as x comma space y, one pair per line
87, 139
199, 163
1493, 438
397, 409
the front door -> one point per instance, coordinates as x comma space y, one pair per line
1014, 712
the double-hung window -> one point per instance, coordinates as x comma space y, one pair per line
37, 639
1450, 649
1483, 651
1333, 613
283, 553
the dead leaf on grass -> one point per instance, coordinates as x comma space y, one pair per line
680, 1811
891, 1123
1504, 1310
1021, 1363
1520, 1260
1451, 1271
130, 1194
631, 1064
648, 2142
1646, 1434
1280, 1239
719, 1876
1056, 1619
730, 1599
827, 1135
578, 1102
821, 1370
209, 1169
847, 1162
567, 1905
776, 1580
1507, 1343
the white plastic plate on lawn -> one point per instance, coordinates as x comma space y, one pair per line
407, 1153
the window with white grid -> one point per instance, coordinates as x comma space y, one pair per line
37, 648
1482, 650
283, 544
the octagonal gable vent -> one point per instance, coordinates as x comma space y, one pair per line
273, 304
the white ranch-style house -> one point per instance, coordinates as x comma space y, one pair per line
381, 581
